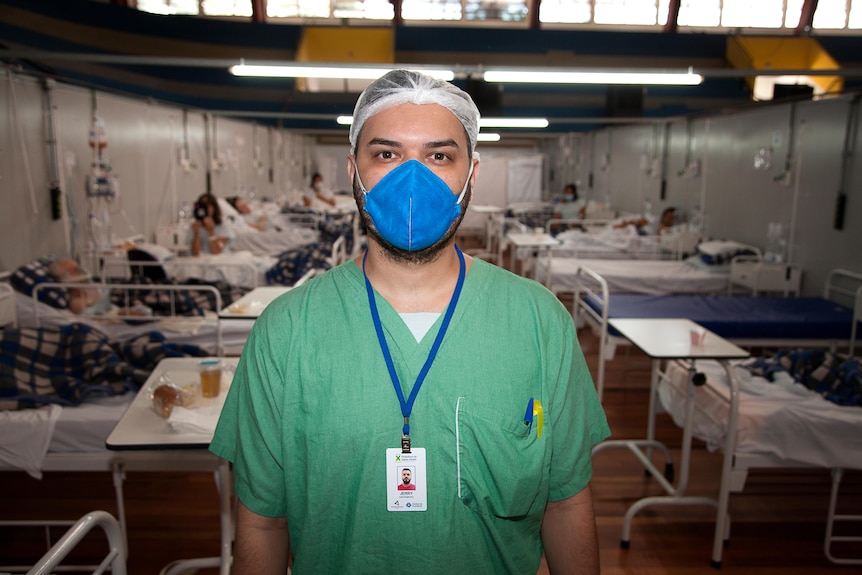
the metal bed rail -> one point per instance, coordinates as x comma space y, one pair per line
115, 559
129, 299
735, 466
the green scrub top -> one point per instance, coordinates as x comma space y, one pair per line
312, 410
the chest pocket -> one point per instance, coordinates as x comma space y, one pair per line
501, 462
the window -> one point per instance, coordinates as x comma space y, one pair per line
700, 13
186, 7
568, 11
778, 14
643, 12
226, 7
367, 9
297, 9
504, 10
431, 10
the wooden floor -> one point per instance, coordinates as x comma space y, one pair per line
778, 520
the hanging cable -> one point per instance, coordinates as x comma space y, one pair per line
23, 142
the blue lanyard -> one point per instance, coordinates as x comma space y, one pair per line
407, 406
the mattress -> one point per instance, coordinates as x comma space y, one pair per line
30, 434
652, 277
740, 317
783, 420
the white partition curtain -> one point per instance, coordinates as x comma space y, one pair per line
525, 179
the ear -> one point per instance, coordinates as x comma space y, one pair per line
351, 167
474, 174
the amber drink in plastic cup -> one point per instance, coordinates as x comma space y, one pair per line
210, 378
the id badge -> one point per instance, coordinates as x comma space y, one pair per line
406, 487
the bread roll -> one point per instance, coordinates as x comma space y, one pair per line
165, 397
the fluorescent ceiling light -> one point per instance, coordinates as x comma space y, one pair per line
483, 122
573, 77
513, 122
329, 71
487, 137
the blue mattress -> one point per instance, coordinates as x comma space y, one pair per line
740, 317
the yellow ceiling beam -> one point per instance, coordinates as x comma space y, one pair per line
784, 53
344, 45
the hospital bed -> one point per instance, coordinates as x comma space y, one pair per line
763, 424
283, 231
588, 239
59, 438
241, 271
115, 558
706, 272
290, 227
561, 275
747, 320
208, 330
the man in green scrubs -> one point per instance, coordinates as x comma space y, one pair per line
413, 355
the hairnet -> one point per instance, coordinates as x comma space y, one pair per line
403, 87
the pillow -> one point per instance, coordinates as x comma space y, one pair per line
25, 278
227, 210
721, 252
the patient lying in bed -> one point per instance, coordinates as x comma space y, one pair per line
89, 301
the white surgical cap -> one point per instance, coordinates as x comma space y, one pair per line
405, 87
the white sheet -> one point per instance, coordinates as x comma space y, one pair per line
608, 244
26, 436
653, 277
273, 242
782, 420
237, 268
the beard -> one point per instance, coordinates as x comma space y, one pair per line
396, 254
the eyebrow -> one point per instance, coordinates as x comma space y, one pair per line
449, 143
384, 142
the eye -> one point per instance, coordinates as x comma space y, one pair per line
386, 154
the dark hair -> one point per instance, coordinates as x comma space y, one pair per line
232, 200
208, 200
574, 189
314, 176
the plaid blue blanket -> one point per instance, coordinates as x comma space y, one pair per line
837, 378
182, 302
295, 263
65, 365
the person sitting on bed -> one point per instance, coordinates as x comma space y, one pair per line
667, 221
241, 206
571, 208
209, 234
317, 197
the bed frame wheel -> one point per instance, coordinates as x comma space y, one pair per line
668, 471
715, 564
625, 543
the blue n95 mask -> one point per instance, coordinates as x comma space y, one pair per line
411, 207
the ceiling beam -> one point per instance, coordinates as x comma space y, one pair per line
461, 71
